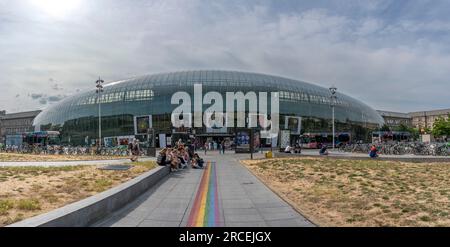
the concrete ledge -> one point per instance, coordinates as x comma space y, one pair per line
91, 209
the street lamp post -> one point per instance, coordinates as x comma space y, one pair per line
333, 90
99, 91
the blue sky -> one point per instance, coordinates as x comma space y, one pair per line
393, 55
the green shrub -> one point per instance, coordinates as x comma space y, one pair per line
5, 205
28, 204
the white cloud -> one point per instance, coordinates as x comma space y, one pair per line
371, 58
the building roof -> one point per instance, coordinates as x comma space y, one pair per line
393, 114
414, 114
153, 93
26, 114
430, 113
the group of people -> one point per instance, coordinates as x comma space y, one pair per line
372, 154
179, 157
324, 150
215, 146
297, 149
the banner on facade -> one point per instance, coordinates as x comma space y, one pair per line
142, 124
294, 124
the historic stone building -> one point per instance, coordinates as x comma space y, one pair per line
16, 123
395, 119
419, 119
425, 119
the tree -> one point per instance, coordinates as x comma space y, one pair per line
385, 128
402, 127
414, 133
441, 127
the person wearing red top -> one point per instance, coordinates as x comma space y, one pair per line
373, 152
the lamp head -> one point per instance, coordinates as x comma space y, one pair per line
333, 89
99, 81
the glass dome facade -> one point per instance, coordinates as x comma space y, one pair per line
76, 117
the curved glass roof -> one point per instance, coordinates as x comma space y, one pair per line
150, 94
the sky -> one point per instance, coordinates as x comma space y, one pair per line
392, 55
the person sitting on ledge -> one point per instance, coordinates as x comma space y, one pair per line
288, 149
323, 150
197, 162
172, 157
162, 158
373, 152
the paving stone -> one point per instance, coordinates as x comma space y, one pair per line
278, 213
246, 224
242, 215
298, 222
139, 214
125, 222
157, 223
166, 216
237, 203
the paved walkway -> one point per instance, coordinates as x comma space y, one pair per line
224, 194
68, 163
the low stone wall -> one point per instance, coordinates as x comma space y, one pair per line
92, 209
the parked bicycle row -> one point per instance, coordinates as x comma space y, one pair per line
67, 150
416, 148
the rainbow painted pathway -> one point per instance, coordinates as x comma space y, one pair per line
223, 194
205, 211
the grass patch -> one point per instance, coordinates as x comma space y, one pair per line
146, 164
42, 157
338, 192
101, 184
28, 191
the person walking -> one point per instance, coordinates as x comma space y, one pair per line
222, 145
135, 150
205, 147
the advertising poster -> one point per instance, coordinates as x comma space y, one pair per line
162, 140
285, 138
142, 124
110, 141
256, 141
274, 141
125, 140
242, 141
294, 124
168, 141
